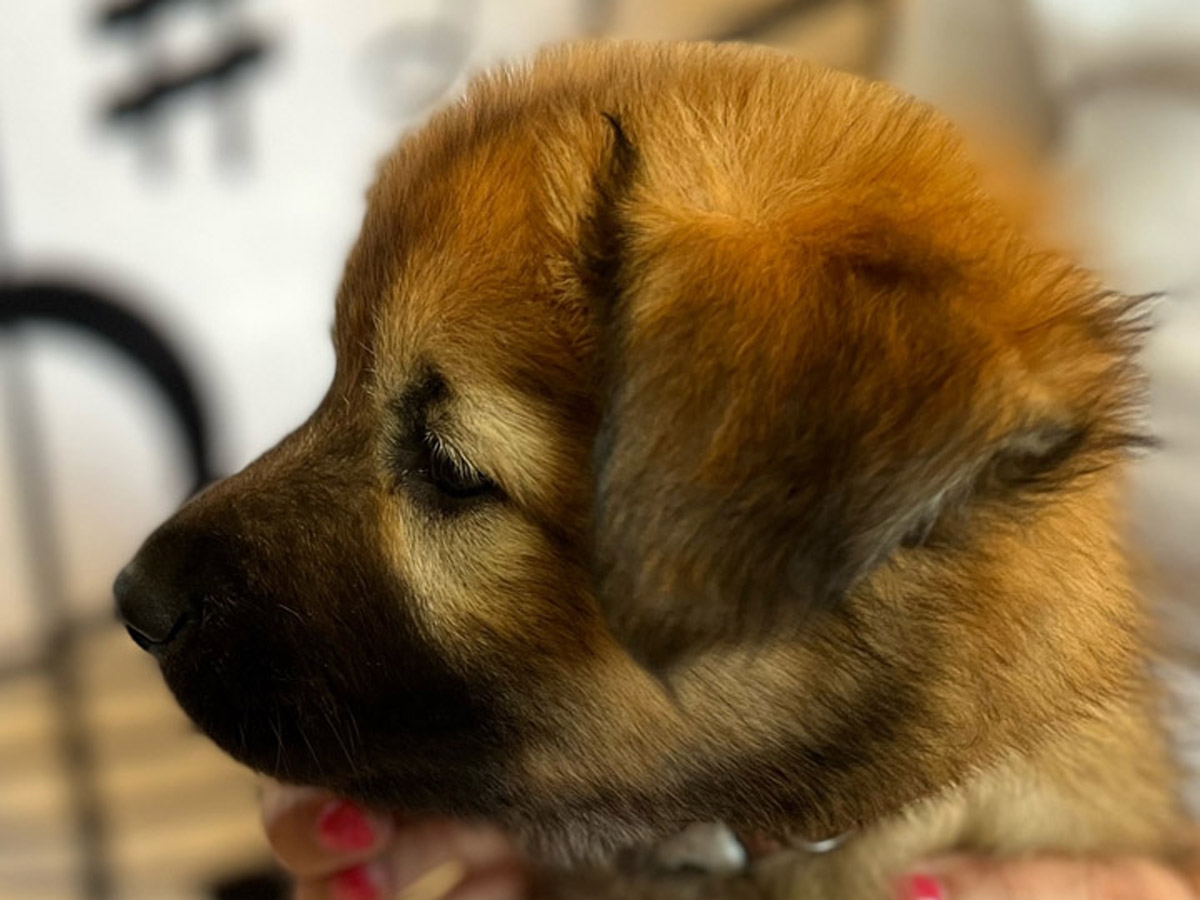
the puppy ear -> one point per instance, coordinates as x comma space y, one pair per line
788, 407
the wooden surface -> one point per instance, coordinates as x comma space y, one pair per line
179, 814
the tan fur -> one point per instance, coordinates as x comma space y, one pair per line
809, 469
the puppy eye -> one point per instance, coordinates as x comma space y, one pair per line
455, 479
452, 475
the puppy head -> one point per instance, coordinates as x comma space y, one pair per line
703, 444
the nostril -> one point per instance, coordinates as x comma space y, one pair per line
154, 610
151, 644
138, 638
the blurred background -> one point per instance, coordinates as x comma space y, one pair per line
180, 181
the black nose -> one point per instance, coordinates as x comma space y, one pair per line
154, 603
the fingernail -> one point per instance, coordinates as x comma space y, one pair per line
343, 826
358, 883
921, 887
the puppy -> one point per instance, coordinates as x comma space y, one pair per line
704, 444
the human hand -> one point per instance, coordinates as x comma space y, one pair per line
337, 851
1044, 878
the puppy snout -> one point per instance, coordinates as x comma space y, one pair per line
161, 594
154, 603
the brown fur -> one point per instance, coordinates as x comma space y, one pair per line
777, 402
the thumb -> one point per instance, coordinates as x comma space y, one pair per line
1041, 878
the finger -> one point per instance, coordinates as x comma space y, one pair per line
443, 882
314, 834
430, 860
1043, 878
503, 882
366, 881
439, 845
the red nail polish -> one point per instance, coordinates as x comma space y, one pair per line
354, 884
921, 887
343, 826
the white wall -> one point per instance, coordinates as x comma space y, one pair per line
238, 266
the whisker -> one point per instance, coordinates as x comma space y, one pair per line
341, 743
276, 726
311, 749
356, 737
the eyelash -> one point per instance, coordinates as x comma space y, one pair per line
450, 473
439, 476
432, 471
